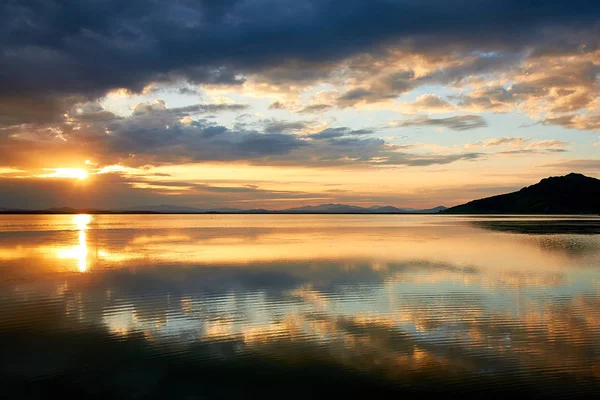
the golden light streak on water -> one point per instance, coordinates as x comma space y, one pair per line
79, 252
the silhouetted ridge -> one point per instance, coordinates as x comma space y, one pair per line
570, 194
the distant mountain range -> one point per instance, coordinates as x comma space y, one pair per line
346, 209
569, 194
172, 209
165, 208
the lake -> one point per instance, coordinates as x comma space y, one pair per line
222, 306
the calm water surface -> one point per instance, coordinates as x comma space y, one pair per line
201, 306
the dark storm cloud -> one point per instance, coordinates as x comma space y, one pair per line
69, 46
39, 109
456, 123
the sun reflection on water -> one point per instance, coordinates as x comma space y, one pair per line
82, 221
79, 252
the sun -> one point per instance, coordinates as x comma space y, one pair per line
73, 173
80, 174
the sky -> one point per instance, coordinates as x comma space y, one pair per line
280, 103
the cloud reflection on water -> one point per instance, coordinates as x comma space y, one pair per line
449, 301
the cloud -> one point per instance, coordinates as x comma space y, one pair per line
189, 91
428, 103
87, 51
555, 90
36, 109
331, 133
59, 60
575, 121
548, 144
307, 109
512, 141
112, 190
489, 99
315, 108
160, 106
96, 47
208, 108
386, 78
275, 126
354, 95
277, 105
456, 123
155, 135
125, 187
519, 145
592, 165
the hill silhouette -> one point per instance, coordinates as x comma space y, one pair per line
569, 194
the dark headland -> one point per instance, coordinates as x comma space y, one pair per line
569, 194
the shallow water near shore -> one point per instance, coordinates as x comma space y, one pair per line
217, 306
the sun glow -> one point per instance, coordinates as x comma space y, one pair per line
72, 173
